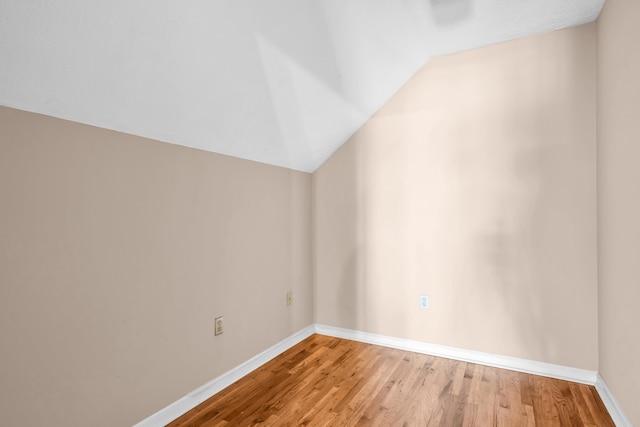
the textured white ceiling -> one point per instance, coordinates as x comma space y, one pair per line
284, 82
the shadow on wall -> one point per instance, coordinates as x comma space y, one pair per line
349, 297
474, 186
499, 196
454, 216
448, 12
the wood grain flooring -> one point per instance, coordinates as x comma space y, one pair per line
325, 381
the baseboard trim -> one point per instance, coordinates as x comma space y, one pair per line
617, 415
504, 362
196, 397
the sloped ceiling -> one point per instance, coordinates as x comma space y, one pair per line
284, 82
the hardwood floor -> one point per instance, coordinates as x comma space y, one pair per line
325, 381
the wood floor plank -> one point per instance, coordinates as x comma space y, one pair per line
476, 384
325, 381
581, 405
596, 407
376, 381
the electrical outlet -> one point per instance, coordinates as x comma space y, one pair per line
424, 302
289, 298
219, 325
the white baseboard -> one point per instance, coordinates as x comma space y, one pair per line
514, 364
196, 397
618, 416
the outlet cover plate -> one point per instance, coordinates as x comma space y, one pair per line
289, 297
424, 302
219, 329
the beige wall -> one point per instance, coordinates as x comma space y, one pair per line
619, 201
118, 252
474, 185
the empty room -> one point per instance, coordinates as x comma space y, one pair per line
314, 212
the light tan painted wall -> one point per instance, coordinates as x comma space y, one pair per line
118, 252
619, 201
474, 185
